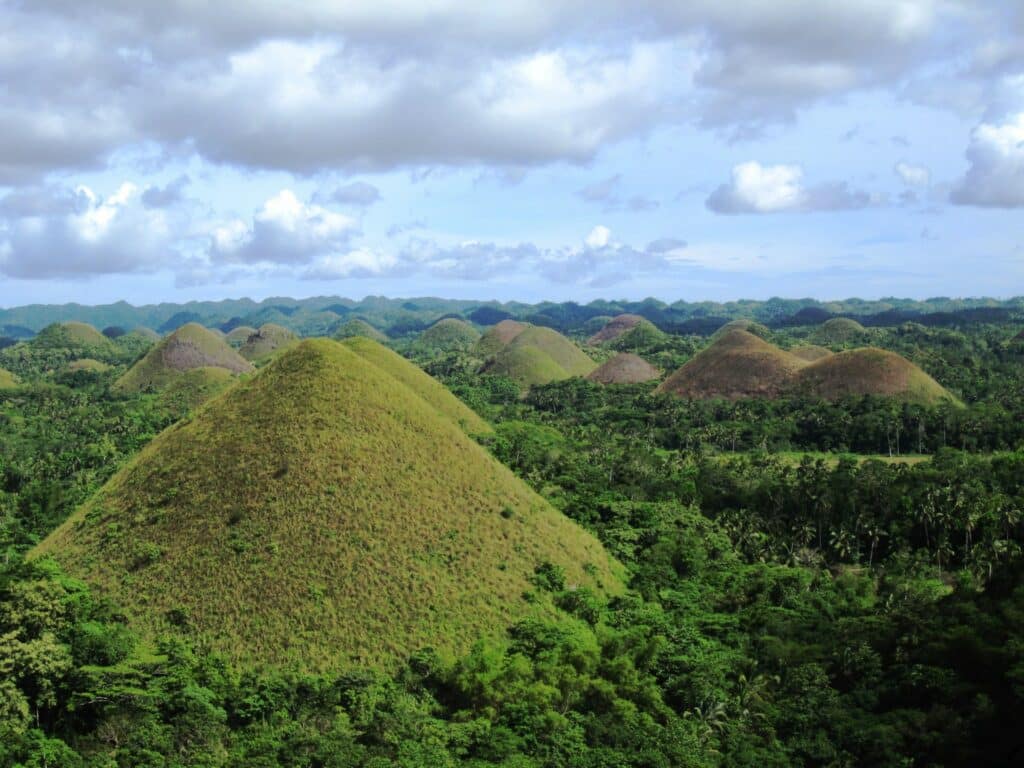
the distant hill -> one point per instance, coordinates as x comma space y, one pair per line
357, 327
318, 515
190, 346
499, 336
270, 338
624, 368
238, 335
870, 371
810, 352
737, 364
620, 326
75, 336
537, 355
840, 330
743, 324
449, 334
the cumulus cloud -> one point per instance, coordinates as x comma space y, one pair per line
284, 231
47, 233
757, 188
995, 177
359, 194
599, 237
912, 175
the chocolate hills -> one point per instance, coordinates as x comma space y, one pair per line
737, 364
77, 339
743, 324
238, 335
871, 371
321, 514
538, 355
810, 352
624, 368
616, 327
357, 327
190, 346
449, 334
840, 330
497, 337
266, 341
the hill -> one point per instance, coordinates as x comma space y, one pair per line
840, 330
238, 335
810, 352
194, 387
420, 382
616, 327
75, 337
624, 368
357, 327
7, 379
498, 337
190, 346
266, 341
317, 515
538, 355
871, 371
750, 326
735, 365
448, 334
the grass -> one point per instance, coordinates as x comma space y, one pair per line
191, 346
78, 337
539, 355
87, 364
810, 353
268, 340
619, 326
237, 336
449, 333
624, 368
871, 371
357, 327
736, 364
7, 379
499, 336
321, 514
194, 387
420, 382
839, 330
750, 326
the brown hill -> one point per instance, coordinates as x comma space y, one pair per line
870, 371
191, 346
736, 364
499, 336
810, 352
269, 339
616, 327
624, 368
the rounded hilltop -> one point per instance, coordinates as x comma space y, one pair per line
270, 338
537, 355
499, 336
322, 514
358, 327
449, 334
624, 368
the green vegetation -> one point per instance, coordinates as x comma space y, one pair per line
87, 365
624, 368
268, 340
357, 327
744, 324
839, 331
7, 379
194, 387
620, 326
190, 346
237, 336
498, 337
537, 355
449, 334
209, 533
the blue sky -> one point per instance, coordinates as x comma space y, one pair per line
536, 150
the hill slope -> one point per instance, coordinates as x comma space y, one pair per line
624, 368
810, 352
497, 337
420, 382
617, 326
839, 330
357, 327
449, 333
736, 364
77, 338
266, 341
240, 334
7, 379
538, 355
321, 514
190, 346
870, 371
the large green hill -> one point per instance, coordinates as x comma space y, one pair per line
320, 514
449, 334
270, 338
538, 355
190, 346
871, 371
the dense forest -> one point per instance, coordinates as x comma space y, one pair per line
809, 582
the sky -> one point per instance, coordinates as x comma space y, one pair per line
531, 150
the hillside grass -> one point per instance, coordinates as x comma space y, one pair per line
7, 379
497, 337
624, 368
449, 334
318, 515
238, 335
357, 327
268, 340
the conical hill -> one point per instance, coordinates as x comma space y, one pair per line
624, 368
538, 355
269, 339
871, 371
321, 514
190, 346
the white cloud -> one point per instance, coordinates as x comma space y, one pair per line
64, 233
599, 237
284, 231
995, 177
757, 188
912, 175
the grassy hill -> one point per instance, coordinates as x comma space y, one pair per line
237, 336
88, 365
810, 352
7, 379
190, 346
266, 341
420, 382
743, 324
321, 514
736, 364
624, 368
194, 387
357, 327
80, 338
497, 337
870, 371
840, 330
617, 327
538, 355
450, 333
